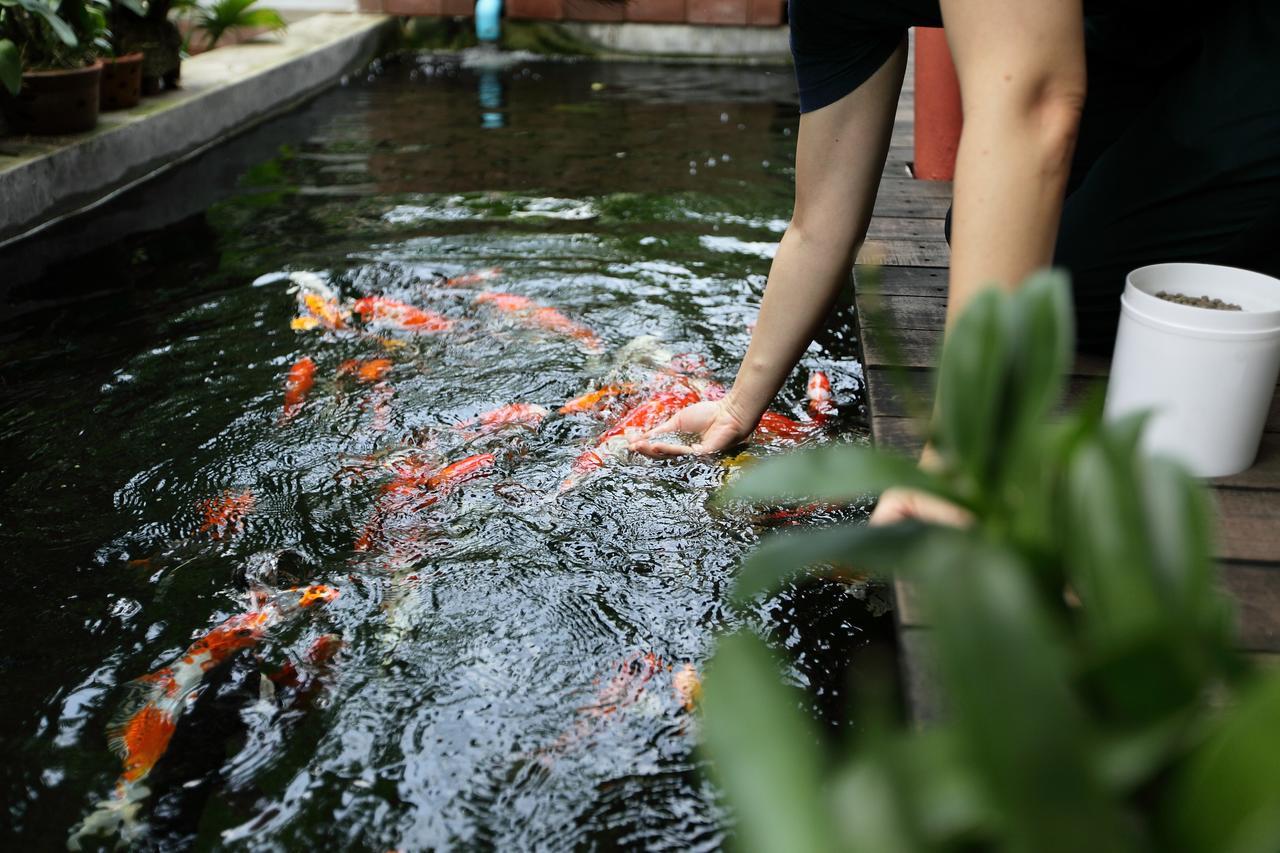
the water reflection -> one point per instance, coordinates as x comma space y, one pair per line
491, 90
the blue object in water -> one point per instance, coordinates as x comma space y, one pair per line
488, 20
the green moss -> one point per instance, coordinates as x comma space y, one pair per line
545, 38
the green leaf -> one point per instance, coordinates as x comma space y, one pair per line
837, 473
60, 27
764, 751
1040, 351
876, 550
971, 385
1008, 677
1228, 797
266, 18
10, 66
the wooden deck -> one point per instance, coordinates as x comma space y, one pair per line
907, 233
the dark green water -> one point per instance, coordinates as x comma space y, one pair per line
146, 375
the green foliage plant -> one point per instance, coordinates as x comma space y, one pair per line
1093, 700
40, 35
226, 16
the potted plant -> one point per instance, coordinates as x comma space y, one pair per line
48, 65
121, 68
143, 26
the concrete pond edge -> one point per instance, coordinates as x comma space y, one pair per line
223, 93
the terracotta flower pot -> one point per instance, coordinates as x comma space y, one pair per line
55, 101
121, 82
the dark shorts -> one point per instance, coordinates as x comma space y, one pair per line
1178, 155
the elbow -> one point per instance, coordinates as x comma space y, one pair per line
1055, 121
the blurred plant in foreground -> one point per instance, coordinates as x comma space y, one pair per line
1093, 698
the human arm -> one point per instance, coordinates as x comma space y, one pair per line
840, 155
1022, 80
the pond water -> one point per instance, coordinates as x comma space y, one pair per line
506, 664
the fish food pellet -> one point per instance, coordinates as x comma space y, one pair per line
1198, 301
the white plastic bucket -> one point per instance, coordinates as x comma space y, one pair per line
1206, 375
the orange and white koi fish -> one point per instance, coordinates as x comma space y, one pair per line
417, 486
400, 315
514, 414
534, 315
141, 734
302, 375
225, 513
594, 401
614, 443
475, 277
318, 305
821, 401
365, 369
774, 427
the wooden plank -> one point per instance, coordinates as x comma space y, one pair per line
1248, 524
1256, 591
919, 347
1248, 504
906, 281
921, 684
906, 228
1254, 588
905, 204
902, 251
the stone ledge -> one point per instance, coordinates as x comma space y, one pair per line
767, 44
224, 91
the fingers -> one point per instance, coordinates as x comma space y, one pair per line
670, 425
661, 450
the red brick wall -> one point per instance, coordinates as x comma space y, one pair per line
758, 13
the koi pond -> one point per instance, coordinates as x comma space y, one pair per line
313, 527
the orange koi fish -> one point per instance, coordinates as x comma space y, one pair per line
614, 443
476, 277
400, 315
776, 427
302, 375
795, 515
514, 414
531, 314
597, 399
224, 514
317, 312
687, 685
141, 734
322, 650
416, 487
456, 473
366, 369
318, 305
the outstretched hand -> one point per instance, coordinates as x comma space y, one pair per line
716, 423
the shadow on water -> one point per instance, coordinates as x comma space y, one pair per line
511, 677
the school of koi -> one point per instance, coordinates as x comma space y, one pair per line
398, 528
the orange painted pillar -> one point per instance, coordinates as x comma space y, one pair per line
938, 113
